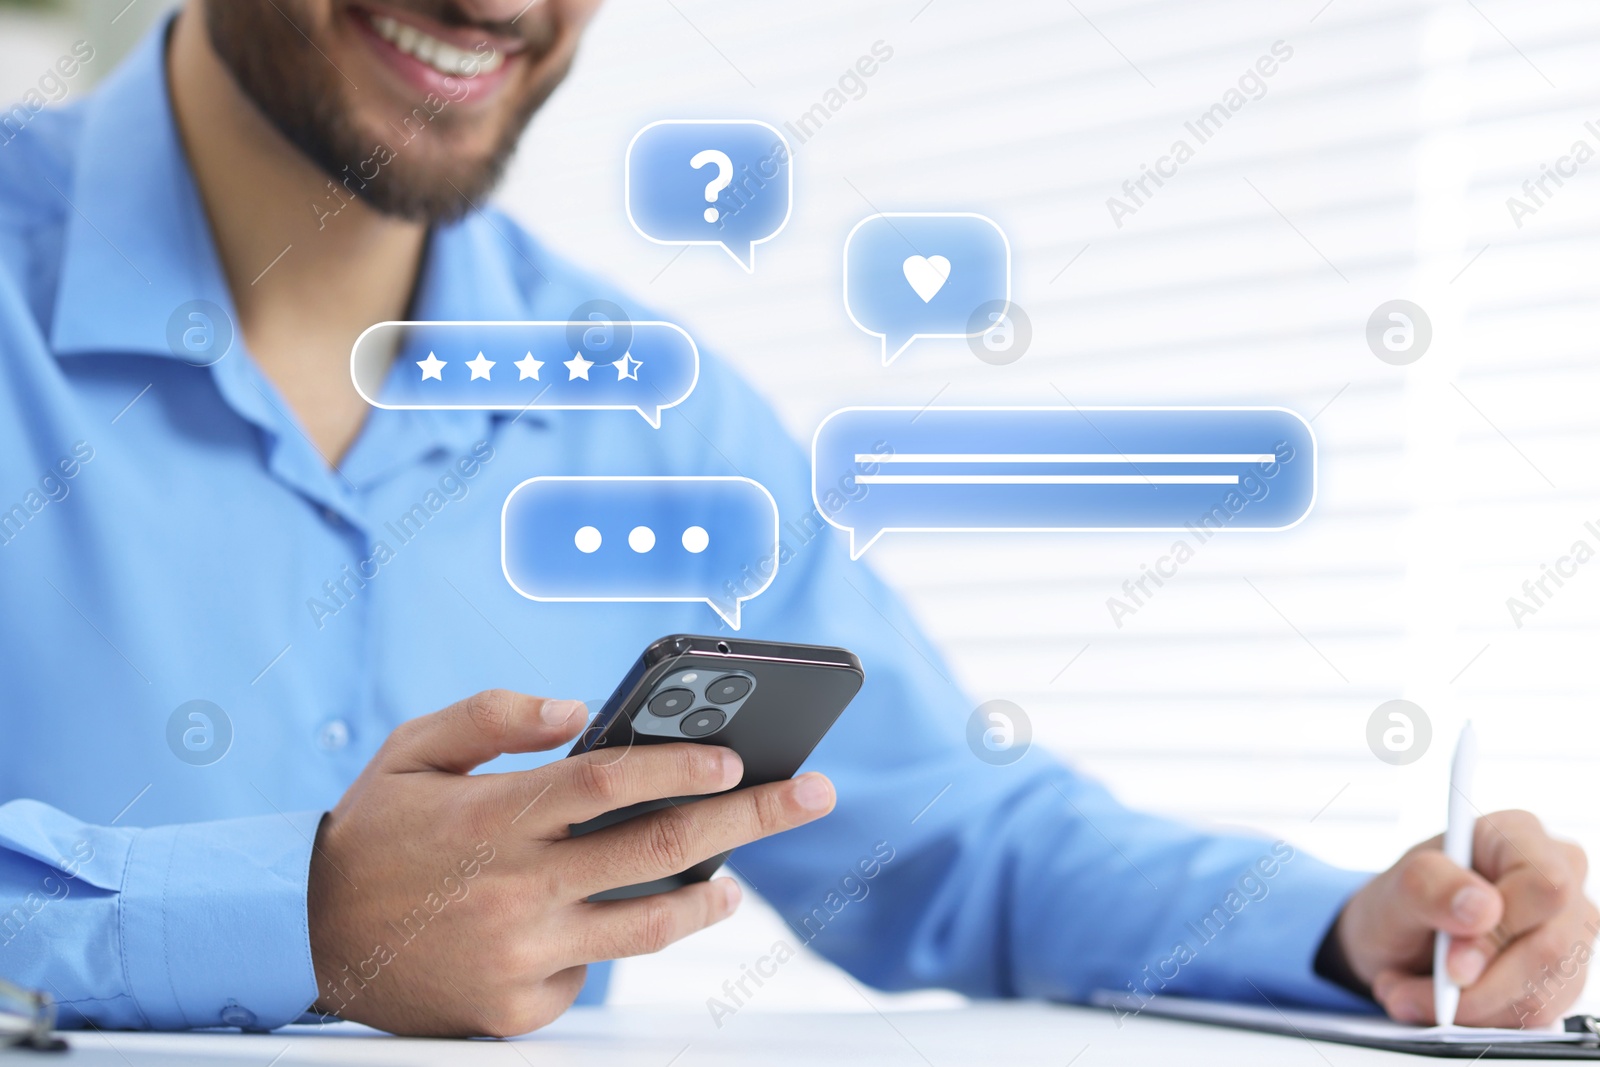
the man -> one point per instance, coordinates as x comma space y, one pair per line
234, 591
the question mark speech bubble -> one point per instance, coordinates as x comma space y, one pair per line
671, 199
514, 366
1061, 469
679, 539
911, 274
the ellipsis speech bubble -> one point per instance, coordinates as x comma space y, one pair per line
641, 540
513, 366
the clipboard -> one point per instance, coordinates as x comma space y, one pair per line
1579, 1038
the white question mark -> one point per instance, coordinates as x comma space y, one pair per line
723, 179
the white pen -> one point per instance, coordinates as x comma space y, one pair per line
1458, 828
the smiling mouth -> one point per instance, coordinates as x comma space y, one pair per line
442, 56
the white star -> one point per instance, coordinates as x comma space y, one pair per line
528, 367
578, 367
480, 368
431, 367
627, 367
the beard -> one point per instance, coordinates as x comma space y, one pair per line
294, 84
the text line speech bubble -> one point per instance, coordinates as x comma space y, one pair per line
514, 366
911, 274
723, 182
659, 539
1064, 469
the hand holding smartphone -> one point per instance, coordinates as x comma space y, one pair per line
769, 702
523, 904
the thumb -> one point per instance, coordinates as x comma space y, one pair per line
475, 730
1438, 894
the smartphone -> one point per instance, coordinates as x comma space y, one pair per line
770, 702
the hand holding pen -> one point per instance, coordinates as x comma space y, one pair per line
1512, 905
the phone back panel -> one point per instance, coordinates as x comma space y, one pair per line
799, 692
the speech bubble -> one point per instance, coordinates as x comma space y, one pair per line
724, 182
925, 274
514, 366
1063, 469
641, 540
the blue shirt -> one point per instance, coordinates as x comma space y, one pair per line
168, 535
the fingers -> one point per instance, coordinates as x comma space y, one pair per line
1468, 958
479, 728
1520, 962
1537, 876
1438, 895
1408, 998
1500, 841
1535, 979
577, 789
674, 839
619, 928
1531, 983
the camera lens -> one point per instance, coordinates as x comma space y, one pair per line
702, 722
727, 689
670, 702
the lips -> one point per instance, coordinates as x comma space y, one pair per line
458, 62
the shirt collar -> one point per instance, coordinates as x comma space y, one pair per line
137, 244
138, 247
464, 278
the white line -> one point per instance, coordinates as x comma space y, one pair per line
273, 664
130, 404
132, 802
946, 789
280, 255
1063, 457
1047, 479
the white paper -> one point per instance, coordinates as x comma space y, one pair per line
1319, 1024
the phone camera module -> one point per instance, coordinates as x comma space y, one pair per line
693, 702
704, 721
727, 689
670, 702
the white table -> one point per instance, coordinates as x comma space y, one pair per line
999, 1034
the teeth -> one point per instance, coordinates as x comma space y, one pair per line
441, 56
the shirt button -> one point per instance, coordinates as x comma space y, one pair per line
243, 1018
334, 735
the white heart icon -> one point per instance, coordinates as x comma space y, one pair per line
927, 275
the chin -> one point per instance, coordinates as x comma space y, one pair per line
441, 101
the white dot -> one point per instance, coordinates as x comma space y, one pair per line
587, 539
691, 676
711, 214
641, 539
695, 539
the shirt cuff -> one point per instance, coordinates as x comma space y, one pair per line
1305, 901
213, 920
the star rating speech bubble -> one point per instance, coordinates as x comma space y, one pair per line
646, 367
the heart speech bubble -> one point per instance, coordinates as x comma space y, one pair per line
647, 539
925, 274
